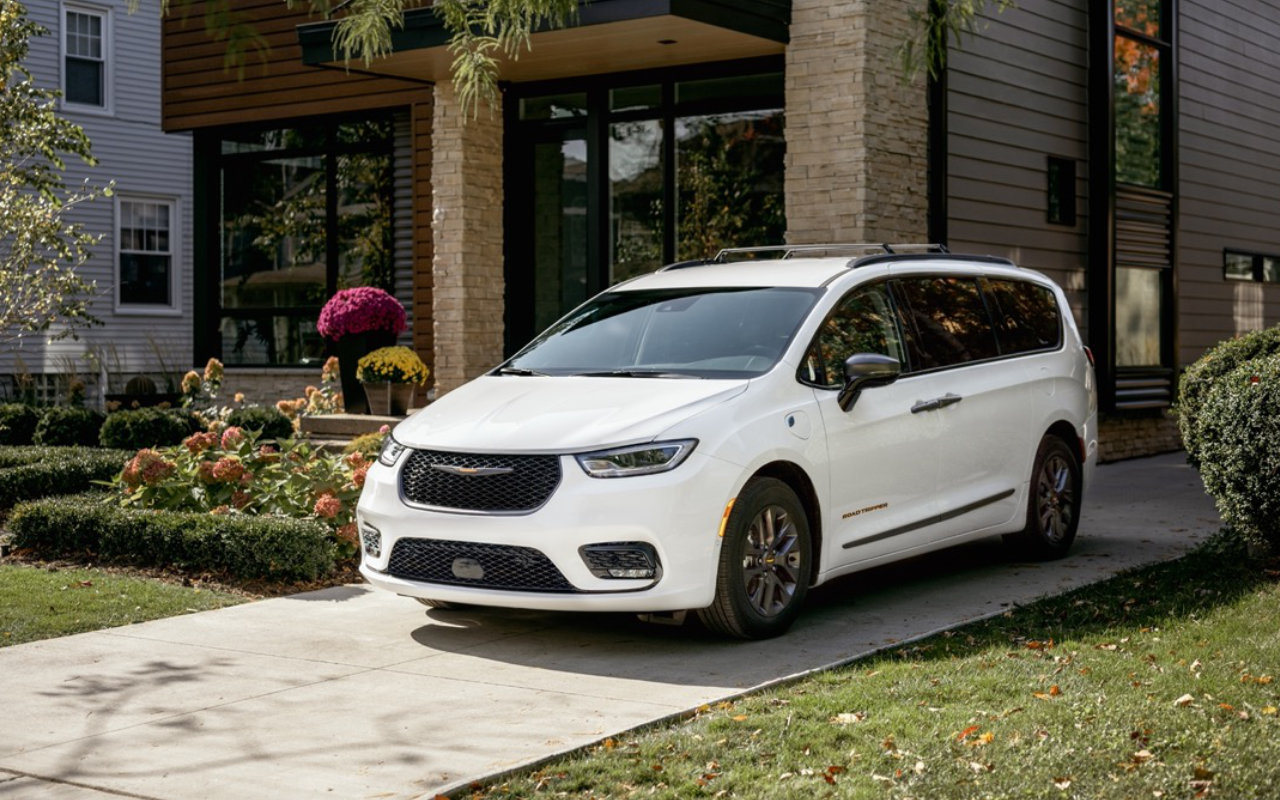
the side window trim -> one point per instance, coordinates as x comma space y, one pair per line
822, 366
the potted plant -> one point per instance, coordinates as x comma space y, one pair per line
390, 376
358, 321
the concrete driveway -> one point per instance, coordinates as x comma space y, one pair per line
352, 693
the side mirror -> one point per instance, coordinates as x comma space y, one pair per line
865, 370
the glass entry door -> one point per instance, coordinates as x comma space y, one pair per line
547, 257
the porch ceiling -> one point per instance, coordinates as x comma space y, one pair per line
609, 36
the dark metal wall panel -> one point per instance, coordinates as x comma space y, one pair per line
1229, 180
1017, 95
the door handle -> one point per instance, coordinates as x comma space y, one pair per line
936, 403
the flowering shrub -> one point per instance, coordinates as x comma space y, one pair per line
200, 392
392, 365
360, 310
325, 400
232, 474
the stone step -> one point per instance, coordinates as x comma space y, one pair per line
345, 426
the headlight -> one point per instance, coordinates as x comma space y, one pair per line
391, 451
642, 459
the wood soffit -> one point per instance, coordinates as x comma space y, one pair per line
610, 36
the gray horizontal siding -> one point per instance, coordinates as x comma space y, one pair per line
133, 153
1229, 165
1016, 95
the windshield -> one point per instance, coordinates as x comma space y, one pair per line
699, 333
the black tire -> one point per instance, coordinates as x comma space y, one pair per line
1053, 503
766, 560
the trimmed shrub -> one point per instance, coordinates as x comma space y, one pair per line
17, 423
1238, 430
1200, 378
272, 548
269, 422
69, 425
30, 472
147, 427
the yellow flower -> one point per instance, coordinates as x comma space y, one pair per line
392, 365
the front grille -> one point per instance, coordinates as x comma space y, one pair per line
525, 484
504, 566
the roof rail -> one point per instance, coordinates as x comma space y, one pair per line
899, 257
794, 250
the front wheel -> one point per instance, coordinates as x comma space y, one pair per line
1053, 509
765, 562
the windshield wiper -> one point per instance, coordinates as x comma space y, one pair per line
635, 373
521, 371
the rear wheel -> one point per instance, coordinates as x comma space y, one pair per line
1053, 509
765, 562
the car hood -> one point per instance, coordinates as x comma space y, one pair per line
505, 414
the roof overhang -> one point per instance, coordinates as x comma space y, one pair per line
608, 36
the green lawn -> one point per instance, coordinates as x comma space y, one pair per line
1156, 684
37, 603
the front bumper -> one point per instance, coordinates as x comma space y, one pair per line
676, 513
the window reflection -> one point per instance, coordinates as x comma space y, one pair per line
635, 195
1137, 113
729, 181
304, 212
1138, 299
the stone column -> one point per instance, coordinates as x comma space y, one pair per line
857, 131
467, 203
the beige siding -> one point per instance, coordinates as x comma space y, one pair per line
1229, 179
1016, 95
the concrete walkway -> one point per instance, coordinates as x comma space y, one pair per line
351, 693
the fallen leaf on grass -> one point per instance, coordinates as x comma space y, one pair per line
1183, 701
1054, 691
848, 718
1062, 783
740, 718
962, 735
1202, 774
1270, 711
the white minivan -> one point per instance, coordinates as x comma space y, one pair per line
721, 435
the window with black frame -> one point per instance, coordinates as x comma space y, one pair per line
303, 212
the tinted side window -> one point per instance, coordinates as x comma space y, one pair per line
1027, 314
860, 323
945, 322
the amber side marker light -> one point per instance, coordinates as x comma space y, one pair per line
725, 519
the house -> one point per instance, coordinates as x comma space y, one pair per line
106, 61
1127, 148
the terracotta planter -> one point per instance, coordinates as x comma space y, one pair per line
390, 399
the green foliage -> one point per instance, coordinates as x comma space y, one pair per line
147, 427
367, 445
238, 545
936, 27
17, 423
233, 475
40, 252
1200, 378
1238, 435
269, 423
42, 603
30, 472
68, 425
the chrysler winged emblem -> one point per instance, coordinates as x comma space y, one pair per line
472, 471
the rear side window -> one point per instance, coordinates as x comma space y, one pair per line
1027, 316
945, 322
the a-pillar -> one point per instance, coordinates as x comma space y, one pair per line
467, 200
857, 130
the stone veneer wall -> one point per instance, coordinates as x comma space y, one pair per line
857, 132
467, 217
1122, 436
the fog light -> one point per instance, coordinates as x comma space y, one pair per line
371, 539
622, 560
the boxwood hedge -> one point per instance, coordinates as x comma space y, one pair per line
251, 547
27, 473
1200, 378
17, 423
